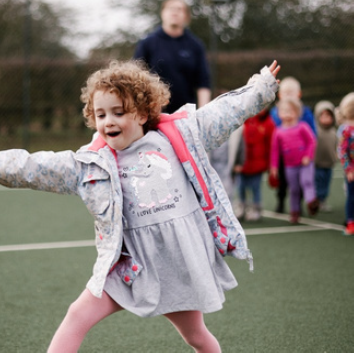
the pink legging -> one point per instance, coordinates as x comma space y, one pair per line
88, 310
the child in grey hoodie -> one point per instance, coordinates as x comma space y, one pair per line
326, 155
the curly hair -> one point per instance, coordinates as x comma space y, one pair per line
140, 91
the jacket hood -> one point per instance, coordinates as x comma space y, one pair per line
323, 106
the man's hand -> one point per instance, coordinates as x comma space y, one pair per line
203, 96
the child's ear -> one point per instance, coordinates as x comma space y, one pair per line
143, 119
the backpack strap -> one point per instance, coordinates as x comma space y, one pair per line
168, 127
220, 233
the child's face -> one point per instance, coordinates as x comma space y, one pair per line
326, 119
287, 113
118, 128
289, 92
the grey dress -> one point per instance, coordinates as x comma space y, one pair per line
165, 230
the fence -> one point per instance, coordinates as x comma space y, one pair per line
51, 117
323, 74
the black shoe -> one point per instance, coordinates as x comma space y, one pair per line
280, 208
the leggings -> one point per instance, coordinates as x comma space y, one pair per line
349, 204
300, 179
88, 310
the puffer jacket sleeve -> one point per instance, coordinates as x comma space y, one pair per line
44, 171
219, 118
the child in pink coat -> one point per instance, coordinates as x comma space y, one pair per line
296, 142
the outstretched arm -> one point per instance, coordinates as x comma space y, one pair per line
218, 119
46, 171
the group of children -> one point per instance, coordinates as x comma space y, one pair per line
299, 150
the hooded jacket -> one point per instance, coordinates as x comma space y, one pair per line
92, 174
326, 149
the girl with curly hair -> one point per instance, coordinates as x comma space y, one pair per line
163, 221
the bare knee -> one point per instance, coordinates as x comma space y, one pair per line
190, 325
196, 338
76, 312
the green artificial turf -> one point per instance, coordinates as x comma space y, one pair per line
299, 298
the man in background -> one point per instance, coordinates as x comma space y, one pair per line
177, 56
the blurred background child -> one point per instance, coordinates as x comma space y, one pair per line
225, 156
340, 112
346, 156
341, 124
257, 136
326, 156
296, 143
289, 87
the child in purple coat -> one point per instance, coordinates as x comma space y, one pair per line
296, 142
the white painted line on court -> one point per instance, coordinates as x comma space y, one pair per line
48, 245
312, 225
281, 230
306, 221
89, 243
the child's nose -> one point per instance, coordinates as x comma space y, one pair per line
109, 120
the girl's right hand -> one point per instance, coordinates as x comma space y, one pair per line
238, 168
274, 172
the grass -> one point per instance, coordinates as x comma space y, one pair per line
299, 299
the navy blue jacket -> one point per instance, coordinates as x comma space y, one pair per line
181, 62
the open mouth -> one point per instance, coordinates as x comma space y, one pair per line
113, 134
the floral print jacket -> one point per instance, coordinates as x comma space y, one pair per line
346, 148
92, 174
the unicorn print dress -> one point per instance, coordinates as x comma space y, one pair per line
166, 231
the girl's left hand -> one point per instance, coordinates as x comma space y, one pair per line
350, 176
274, 69
305, 160
238, 168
